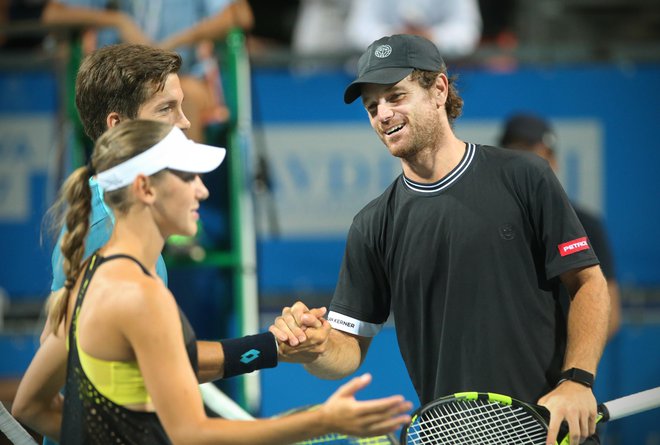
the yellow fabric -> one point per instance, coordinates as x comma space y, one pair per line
120, 382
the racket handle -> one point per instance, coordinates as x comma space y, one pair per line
632, 404
222, 404
13, 430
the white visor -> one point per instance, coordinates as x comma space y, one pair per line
175, 151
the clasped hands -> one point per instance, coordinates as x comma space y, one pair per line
302, 333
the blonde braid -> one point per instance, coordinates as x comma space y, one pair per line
78, 196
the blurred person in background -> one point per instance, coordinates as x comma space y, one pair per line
499, 22
12, 11
274, 22
188, 26
532, 133
453, 25
319, 27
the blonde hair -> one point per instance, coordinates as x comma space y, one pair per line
74, 203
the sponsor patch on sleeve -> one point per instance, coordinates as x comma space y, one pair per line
571, 247
351, 325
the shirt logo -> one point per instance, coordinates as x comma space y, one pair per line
342, 322
574, 246
383, 51
507, 232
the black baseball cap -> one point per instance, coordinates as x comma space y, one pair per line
528, 129
390, 59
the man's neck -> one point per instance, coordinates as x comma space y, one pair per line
432, 165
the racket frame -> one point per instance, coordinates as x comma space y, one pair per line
536, 412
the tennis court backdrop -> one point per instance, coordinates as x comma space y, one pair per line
325, 163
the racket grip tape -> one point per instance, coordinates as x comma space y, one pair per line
602, 416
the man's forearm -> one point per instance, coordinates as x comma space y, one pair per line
60, 14
215, 27
588, 323
343, 356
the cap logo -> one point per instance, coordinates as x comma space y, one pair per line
383, 51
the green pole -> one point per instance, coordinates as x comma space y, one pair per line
238, 97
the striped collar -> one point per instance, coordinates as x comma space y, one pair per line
448, 180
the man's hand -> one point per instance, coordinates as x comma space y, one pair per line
290, 327
575, 404
302, 333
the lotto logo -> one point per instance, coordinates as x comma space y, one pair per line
574, 246
249, 356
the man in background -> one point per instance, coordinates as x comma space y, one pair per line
529, 132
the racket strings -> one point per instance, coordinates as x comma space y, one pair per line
476, 422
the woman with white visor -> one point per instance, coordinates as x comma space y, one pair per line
115, 318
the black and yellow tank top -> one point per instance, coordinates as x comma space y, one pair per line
97, 390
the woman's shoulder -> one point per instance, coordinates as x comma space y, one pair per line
127, 292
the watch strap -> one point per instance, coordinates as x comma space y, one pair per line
577, 375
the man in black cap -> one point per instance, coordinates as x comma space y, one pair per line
530, 132
467, 248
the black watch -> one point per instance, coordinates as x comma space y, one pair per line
577, 375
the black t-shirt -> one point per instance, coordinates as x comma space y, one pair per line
469, 267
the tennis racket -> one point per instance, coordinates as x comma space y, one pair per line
473, 418
342, 439
13, 430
